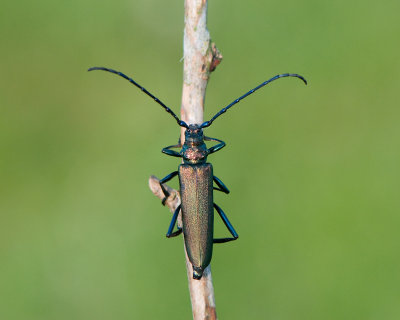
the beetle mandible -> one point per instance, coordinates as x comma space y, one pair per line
196, 182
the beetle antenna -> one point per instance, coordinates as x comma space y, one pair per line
180, 122
208, 123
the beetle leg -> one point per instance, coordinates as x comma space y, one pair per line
221, 186
217, 147
228, 225
171, 234
164, 180
172, 153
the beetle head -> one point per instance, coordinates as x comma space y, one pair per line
194, 135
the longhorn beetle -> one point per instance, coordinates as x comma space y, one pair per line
196, 183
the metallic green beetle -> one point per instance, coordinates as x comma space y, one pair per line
196, 183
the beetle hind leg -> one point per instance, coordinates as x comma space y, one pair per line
171, 234
227, 224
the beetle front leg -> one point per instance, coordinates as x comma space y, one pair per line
227, 224
217, 147
172, 153
171, 234
164, 180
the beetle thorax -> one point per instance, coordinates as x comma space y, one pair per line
194, 149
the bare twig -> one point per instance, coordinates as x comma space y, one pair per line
173, 201
200, 58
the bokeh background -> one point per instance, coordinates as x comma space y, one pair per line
313, 171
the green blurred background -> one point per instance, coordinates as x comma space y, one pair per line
313, 171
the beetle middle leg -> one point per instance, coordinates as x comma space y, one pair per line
171, 234
221, 186
164, 180
227, 224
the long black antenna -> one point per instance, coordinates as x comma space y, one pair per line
208, 123
180, 122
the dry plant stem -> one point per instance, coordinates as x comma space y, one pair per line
200, 58
173, 201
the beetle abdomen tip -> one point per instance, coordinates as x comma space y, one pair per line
197, 273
